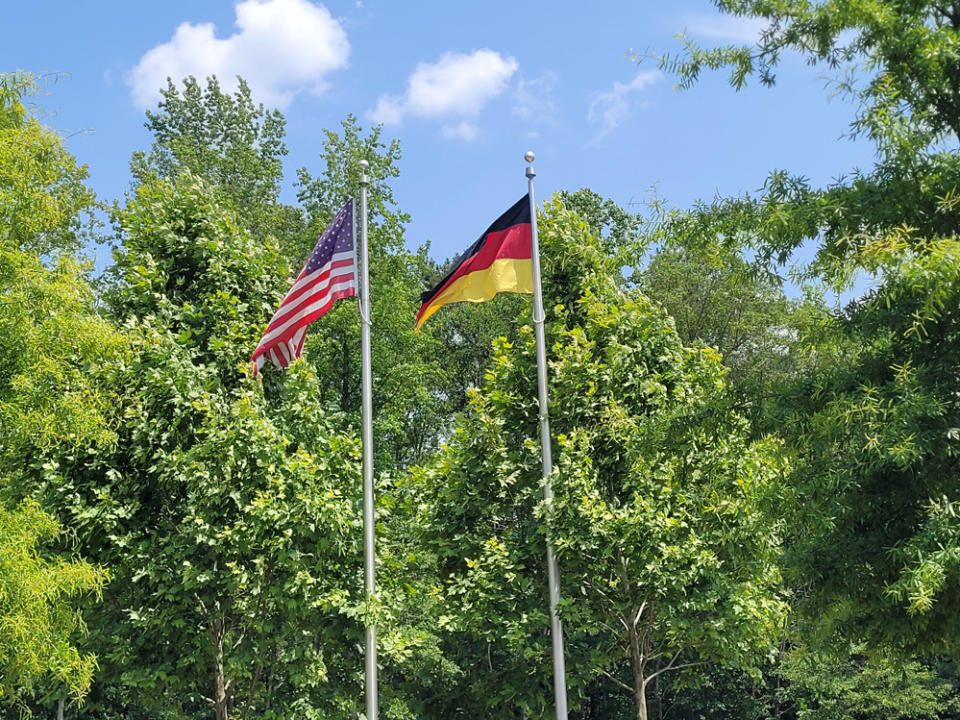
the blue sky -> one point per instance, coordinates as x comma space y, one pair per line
466, 87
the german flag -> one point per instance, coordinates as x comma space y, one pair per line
500, 261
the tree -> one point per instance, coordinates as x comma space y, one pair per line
266, 538
716, 692
666, 557
51, 340
873, 544
223, 509
44, 202
835, 686
907, 49
907, 103
714, 295
408, 390
37, 616
876, 535
51, 345
618, 230
234, 144
717, 298
201, 134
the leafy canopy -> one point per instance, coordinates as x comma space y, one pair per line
37, 617
51, 343
665, 554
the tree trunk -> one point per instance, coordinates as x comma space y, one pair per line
641, 694
220, 686
637, 659
639, 681
60, 710
656, 690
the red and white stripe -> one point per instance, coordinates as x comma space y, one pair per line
310, 297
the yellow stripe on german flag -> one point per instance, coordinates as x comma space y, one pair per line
500, 261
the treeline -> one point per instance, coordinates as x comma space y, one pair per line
755, 512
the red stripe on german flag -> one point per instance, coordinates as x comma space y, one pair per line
499, 261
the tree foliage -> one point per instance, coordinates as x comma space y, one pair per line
906, 50
37, 613
44, 202
224, 511
877, 541
710, 435
666, 558
229, 140
838, 685
408, 390
870, 417
900, 65
50, 340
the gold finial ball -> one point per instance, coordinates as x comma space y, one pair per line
529, 156
364, 164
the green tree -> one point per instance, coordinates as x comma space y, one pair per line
718, 298
619, 231
44, 201
408, 388
836, 686
717, 692
897, 62
666, 558
406, 395
230, 141
876, 535
37, 615
51, 346
51, 343
714, 295
906, 50
872, 418
228, 511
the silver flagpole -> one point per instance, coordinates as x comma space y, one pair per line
553, 575
369, 573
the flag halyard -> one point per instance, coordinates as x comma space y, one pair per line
329, 274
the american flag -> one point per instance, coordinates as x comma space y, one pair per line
330, 274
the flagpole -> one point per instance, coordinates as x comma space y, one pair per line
553, 575
369, 572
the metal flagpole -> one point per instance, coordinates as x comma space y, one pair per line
369, 573
553, 575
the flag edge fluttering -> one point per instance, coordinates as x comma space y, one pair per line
282, 352
506, 248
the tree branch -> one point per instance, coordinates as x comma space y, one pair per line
636, 617
618, 681
671, 666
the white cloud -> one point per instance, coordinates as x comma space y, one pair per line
281, 48
610, 108
726, 28
464, 130
533, 98
456, 86
389, 111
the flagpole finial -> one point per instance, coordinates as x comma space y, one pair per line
529, 157
363, 171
